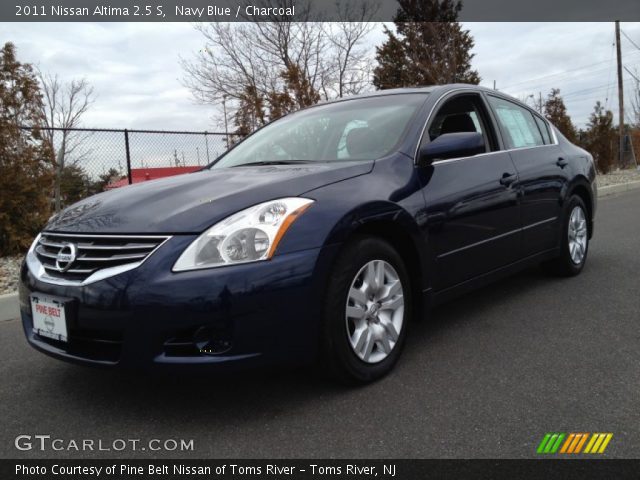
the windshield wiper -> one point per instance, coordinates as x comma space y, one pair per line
274, 162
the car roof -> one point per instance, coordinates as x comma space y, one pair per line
428, 89
439, 89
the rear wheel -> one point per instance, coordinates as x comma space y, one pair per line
575, 240
367, 308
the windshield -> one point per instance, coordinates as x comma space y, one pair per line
360, 129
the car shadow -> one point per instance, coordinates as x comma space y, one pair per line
466, 307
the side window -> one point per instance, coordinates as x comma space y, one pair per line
517, 124
456, 120
544, 129
464, 113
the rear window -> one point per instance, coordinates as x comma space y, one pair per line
544, 130
517, 124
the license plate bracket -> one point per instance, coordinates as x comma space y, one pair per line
50, 316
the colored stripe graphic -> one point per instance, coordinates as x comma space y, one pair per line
605, 443
556, 445
543, 443
577, 443
598, 442
566, 445
550, 443
572, 443
581, 443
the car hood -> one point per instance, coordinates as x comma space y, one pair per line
193, 202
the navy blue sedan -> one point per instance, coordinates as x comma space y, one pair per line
316, 239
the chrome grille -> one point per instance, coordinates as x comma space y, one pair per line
93, 253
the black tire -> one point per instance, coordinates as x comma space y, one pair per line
564, 265
337, 355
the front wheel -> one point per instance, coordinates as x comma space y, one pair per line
367, 308
575, 240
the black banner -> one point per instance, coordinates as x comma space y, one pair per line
547, 469
305, 10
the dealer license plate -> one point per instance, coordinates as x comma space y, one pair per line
49, 319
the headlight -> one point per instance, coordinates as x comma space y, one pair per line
247, 236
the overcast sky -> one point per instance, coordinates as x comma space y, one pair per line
135, 72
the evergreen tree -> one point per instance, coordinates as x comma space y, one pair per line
600, 138
556, 113
111, 176
25, 166
75, 185
429, 47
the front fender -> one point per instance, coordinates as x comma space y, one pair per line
389, 197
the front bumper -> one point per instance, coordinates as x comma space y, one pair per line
222, 318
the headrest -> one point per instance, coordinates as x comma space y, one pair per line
460, 122
361, 141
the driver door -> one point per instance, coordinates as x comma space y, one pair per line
473, 217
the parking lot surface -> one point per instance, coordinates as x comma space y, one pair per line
484, 376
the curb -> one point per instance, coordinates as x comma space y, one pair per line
613, 189
9, 307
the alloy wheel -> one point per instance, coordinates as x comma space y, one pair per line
577, 235
375, 311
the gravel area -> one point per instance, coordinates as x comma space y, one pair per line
9, 272
619, 176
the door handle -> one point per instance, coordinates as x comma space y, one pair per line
508, 178
561, 162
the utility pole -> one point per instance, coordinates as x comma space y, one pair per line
536, 104
226, 124
620, 97
540, 102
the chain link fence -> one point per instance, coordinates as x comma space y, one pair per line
95, 159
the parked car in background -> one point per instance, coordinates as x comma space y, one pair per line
318, 237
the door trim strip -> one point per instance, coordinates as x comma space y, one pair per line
496, 237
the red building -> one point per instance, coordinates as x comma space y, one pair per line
143, 174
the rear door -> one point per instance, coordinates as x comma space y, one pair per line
473, 218
541, 172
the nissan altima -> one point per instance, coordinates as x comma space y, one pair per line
316, 239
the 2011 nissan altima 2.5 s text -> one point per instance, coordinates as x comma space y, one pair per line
317, 238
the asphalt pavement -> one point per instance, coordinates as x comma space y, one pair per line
486, 376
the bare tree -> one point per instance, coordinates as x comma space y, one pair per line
524, 98
265, 69
63, 107
350, 65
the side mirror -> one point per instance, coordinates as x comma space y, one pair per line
452, 145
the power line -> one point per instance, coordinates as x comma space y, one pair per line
629, 38
606, 100
562, 73
585, 90
574, 92
629, 72
629, 119
591, 91
555, 83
